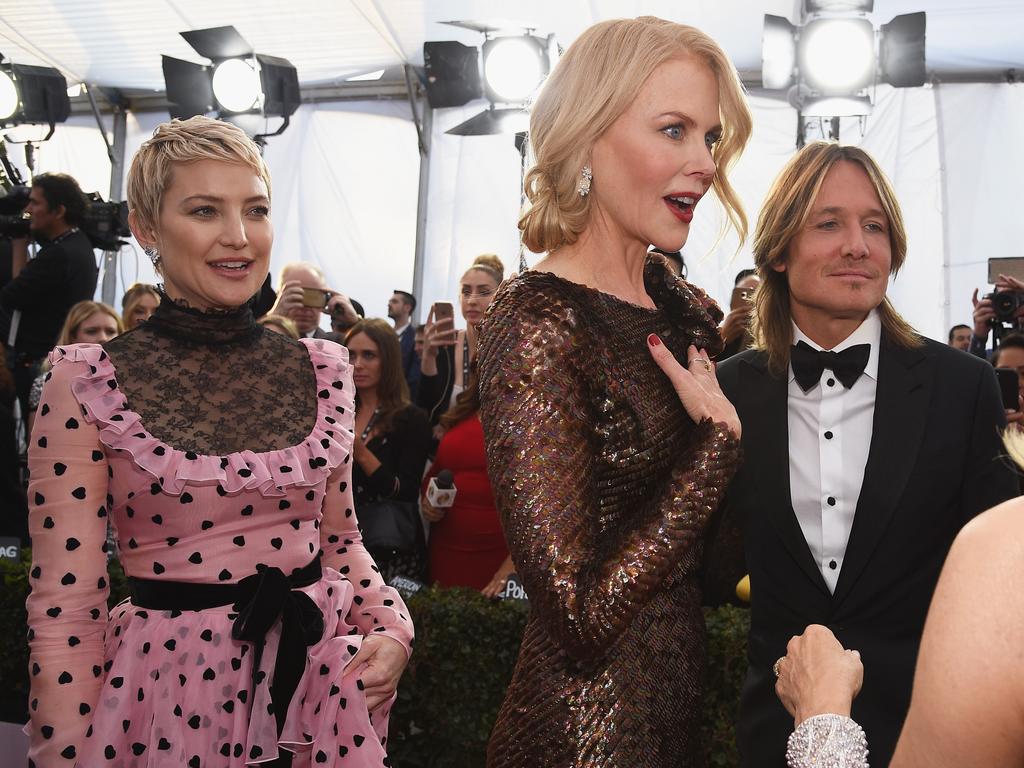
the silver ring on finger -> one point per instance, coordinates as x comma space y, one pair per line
704, 361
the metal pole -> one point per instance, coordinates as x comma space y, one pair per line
947, 267
110, 258
421, 205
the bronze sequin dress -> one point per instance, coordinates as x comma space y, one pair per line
605, 487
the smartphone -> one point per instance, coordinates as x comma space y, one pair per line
316, 298
1012, 267
443, 310
1009, 388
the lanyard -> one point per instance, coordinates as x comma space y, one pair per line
370, 424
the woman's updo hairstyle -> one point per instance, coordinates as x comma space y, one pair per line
588, 90
490, 264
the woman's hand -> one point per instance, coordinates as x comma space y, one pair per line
818, 677
437, 334
497, 582
696, 385
385, 660
431, 514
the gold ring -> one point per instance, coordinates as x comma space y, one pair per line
704, 360
775, 667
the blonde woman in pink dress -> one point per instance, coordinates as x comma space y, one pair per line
259, 630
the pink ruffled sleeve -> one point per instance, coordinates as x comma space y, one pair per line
67, 608
376, 607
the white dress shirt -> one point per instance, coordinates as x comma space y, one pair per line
829, 438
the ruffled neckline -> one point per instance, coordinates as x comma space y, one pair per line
270, 472
177, 320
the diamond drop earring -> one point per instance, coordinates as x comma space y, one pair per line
586, 176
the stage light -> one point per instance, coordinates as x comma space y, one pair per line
237, 82
778, 53
8, 96
901, 54
452, 73
837, 56
30, 94
513, 68
840, 6
836, 106
236, 85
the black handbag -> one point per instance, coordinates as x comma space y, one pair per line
391, 525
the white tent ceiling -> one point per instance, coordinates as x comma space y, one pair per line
117, 43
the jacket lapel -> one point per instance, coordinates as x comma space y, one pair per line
765, 422
901, 404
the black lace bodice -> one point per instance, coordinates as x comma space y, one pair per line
215, 382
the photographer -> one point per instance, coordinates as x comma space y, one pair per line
997, 311
303, 295
735, 330
63, 273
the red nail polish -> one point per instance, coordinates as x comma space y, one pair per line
653, 340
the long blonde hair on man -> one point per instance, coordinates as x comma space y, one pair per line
592, 85
784, 214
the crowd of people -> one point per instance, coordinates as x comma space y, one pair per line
263, 458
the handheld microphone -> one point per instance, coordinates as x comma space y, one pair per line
441, 490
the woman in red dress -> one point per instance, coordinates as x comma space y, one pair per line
467, 545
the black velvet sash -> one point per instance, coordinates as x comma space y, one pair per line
259, 600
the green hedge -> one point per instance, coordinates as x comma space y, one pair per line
466, 647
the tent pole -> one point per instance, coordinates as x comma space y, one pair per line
421, 205
940, 129
110, 258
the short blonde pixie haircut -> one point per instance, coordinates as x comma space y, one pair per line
185, 141
784, 213
592, 85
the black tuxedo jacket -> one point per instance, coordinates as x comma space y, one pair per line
935, 462
410, 360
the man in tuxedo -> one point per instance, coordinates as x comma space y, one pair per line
866, 447
401, 305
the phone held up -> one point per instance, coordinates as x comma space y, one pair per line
316, 298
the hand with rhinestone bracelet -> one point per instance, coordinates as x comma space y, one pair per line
817, 682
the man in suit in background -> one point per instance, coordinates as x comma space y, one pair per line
401, 305
866, 447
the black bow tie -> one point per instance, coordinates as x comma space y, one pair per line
808, 363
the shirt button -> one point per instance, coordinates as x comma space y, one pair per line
831, 382
828, 435
831, 500
833, 564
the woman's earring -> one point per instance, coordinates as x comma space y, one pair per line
586, 176
154, 256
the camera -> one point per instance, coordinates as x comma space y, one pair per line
105, 223
1006, 304
12, 205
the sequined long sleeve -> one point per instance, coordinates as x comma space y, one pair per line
564, 459
827, 741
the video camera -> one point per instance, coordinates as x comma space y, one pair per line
104, 223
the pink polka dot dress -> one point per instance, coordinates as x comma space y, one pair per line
173, 687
